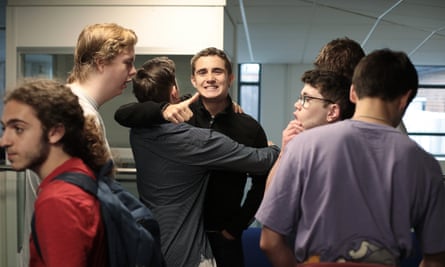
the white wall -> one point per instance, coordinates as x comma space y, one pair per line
158, 28
280, 88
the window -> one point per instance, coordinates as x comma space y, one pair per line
425, 116
249, 99
249, 89
38, 65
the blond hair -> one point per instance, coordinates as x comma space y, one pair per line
99, 42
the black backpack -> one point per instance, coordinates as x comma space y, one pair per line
132, 233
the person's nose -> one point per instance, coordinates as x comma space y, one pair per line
132, 72
4, 140
210, 78
298, 105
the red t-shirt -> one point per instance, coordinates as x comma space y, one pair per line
68, 223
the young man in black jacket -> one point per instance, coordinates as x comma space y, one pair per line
225, 215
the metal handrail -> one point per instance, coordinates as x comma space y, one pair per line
122, 174
4, 167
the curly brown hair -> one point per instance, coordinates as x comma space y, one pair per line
340, 55
55, 104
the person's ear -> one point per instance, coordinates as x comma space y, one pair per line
174, 94
100, 64
193, 80
333, 113
231, 79
352, 94
56, 133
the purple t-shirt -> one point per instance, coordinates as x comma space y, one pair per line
354, 191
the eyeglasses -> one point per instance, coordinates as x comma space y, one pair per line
304, 100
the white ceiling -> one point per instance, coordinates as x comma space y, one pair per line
293, 31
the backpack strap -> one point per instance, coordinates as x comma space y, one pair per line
34, 235
105, 170
82, 180
87, 183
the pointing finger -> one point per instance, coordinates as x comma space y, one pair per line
192, 99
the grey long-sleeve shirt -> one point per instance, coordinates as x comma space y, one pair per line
173, 163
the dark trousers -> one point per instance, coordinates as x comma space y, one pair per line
228, 253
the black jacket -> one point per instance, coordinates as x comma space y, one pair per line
223, 208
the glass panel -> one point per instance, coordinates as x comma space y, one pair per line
249, 100
425, 121
425, 116
38, 65
250, 73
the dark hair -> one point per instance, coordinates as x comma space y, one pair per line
212, 51
385, 74
154, 80
340, 55
332, 86
55, 104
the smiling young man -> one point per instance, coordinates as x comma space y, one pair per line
225, 214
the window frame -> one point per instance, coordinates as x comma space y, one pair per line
427, 85
257, 84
